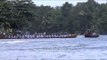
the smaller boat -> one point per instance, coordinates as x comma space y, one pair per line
91, 34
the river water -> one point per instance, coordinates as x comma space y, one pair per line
79, 48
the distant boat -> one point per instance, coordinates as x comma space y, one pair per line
91, 34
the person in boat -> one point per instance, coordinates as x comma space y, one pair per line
94, 33
2, 35
90, 33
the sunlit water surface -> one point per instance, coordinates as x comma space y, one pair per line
79, 48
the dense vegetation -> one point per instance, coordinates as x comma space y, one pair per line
24, 15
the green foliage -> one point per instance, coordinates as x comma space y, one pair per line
26, 16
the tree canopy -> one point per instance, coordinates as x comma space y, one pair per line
24, 15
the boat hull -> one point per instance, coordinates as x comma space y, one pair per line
92, 36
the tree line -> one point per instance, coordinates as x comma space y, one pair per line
24, 15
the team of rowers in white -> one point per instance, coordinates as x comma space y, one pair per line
39, 35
